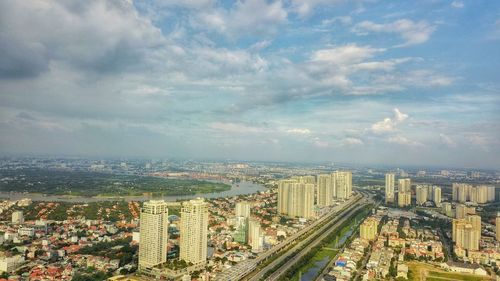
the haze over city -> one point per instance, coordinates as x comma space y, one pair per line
378, 82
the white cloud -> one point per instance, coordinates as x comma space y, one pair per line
403, 141
299, 131
353, 141
236, 128
389, 124
413, 32
446, 140
399, 116
305, 8
350, 53
457, 4
254, 17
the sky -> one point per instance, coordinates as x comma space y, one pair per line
362, 81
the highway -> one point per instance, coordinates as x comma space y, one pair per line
325, 232
246, 270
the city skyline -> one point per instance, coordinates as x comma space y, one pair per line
346, 82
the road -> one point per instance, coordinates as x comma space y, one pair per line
325, 232
247, 267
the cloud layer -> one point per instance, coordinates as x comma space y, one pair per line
254, 79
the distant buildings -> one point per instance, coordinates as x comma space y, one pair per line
296, 196
426, 193
481, 194
389, 188
153, 234
194, 231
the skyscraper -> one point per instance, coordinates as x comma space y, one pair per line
475, 220
497, 226
325, 190
343, 184
153, 234
254, 235
462, 211
437, 196
404, 199
242, 209
465, 235
421, 192
284, 188
241, 225
404, 185
389, 188
194, 231
296, 199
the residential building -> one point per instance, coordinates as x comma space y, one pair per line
296, 199
255, 235
369, 229
404, 185
325, 190
342, 184
242, 209
194, 231
17, 217
421, 194
153, 234
404, 199
437, 196
389, 188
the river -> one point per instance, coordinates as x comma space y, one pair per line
241, 188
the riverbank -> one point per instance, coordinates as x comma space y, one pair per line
241, 188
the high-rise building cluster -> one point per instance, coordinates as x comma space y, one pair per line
296, 196
154, 223
480, 194
466, 232
423, 193
426, 193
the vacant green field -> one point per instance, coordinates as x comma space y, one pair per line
425, 272
83, 183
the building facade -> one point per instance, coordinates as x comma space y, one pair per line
153, 234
